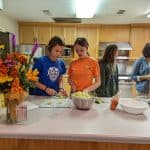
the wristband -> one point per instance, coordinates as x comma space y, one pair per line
61, 89
45, 88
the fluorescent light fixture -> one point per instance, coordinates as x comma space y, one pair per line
148, 15
1, 4
85, 8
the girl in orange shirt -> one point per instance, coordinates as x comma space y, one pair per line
84, 72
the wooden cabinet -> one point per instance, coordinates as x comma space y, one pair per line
137, 42
92, 35
66, 33
114, 33
58, 31
27, 34
139, 37
43, 34
147, 34
51, 144
69, 35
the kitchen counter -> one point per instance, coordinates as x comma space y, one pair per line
100, 125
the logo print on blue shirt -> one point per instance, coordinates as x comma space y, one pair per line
53, 73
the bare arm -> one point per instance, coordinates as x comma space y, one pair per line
48, 90
73, 87
60, 82
94, 86
62, 91
41, 86
144, 77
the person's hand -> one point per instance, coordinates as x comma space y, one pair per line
86, 90
145, 77
148, 77
62, 92
73, 86
50, 91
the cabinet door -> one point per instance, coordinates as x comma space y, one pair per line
27, 34
69, 35
147, 34
114, 33
44, 34
137, 40
92, 35
58, 31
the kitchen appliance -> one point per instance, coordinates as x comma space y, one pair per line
8, 41
68, 52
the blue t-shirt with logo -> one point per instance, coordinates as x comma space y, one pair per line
49, 73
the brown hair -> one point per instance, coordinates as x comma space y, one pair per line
146, 50
109, 54
55, 41
82, 42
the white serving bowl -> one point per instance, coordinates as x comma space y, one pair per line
83, 103
133, 106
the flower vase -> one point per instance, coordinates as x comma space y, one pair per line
2, 100
11, 114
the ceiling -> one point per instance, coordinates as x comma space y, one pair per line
31, 10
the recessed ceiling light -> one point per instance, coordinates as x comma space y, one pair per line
47, 12
121, 11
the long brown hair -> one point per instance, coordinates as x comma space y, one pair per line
109, 54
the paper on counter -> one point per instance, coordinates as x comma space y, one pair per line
29, 105
56, 102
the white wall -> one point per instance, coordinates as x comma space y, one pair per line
9, 24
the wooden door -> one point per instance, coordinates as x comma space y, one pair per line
114, 33
69, 35
58, 31
44, 34
27, 34
137, 40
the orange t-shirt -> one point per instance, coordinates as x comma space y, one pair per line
82, 71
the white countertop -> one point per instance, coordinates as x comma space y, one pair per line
97, 124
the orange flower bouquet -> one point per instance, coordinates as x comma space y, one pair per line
15, 78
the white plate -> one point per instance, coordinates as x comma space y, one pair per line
145, 100
134, 106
